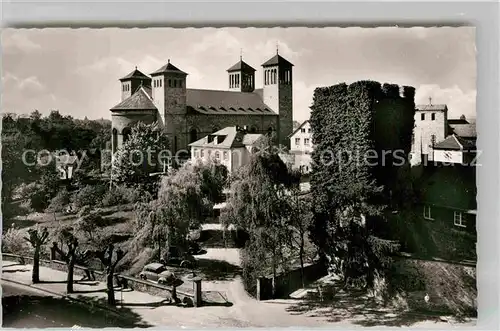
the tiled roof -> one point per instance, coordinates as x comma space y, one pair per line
300, 126
168, 68
457, 121
441, 107
277, 60
464, 130
241, 65
452, 187
140, 100
135, 74
454, 142
229, 137
215, 102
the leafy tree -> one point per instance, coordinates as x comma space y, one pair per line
13, 241
88, 224
137, 157
37, 238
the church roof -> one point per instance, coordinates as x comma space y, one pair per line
140, 100
277, 60
241, 66
454, 142
215, 102
168, 68
464, 130
229, 137
135, 74
439, 107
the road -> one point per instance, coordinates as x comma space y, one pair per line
24, 307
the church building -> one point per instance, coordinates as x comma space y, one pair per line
190, 114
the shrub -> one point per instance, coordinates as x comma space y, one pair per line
59, 202
13, 241
89, 195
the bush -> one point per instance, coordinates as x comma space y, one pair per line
90, 195
59, 202
122, 195
13, 242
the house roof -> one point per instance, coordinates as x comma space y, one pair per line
457, 121
168, 68
439, 107
452, 187
140, 100
300, 126
454, 142
241, 66
464, 130
229, 137
215, 102
135, 74
277, 60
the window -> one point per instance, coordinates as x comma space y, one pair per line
459, 219
303, 130
309, 130
422, 117
427, 213
175, 82
297, 141
433, 116
217, 155
225, 156
160, 82
306, 141
202, 153
433, 140
196, 153
169, 83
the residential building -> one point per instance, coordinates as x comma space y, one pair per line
301, 147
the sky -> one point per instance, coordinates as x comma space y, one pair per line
76, 71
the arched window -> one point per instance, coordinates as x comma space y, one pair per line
114, 140
126, 134
193, 135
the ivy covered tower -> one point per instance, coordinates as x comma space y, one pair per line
278, 94
169, 97
241, 77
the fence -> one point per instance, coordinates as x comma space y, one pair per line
284, 284
168, 292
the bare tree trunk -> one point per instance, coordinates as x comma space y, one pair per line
71, 268
35, 276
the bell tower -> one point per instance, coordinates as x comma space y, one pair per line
278, 93
241, 77
132, 82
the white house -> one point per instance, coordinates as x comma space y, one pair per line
231, 146
301, 147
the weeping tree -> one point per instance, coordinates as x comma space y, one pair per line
68, 254
110, 257
37, 238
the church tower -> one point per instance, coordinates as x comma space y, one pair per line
132, 82
241, 77
278, 94
169, 96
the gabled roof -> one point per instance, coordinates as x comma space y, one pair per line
277, 60
215, 102
140, 100
229, 137
241, 66
439, 107
455, 143
300, 126
136, 74
168, 68
464, 130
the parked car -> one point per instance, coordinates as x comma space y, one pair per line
176, 256
159, 273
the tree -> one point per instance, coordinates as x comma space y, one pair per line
88, 224
110, 258
37, 239
70, 256
137, 157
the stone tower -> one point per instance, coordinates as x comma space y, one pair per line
132, 81
430, 127
169, 96
277, 94
241, 77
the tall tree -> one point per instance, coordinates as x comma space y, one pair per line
69, 256
110, 258
37, 239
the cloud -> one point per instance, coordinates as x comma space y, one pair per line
18, 42
107, 65
459, 102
